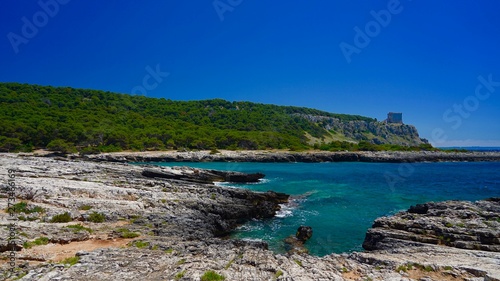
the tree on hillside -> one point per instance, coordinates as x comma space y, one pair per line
59, 145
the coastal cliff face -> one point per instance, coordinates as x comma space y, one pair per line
372, 131
129, 222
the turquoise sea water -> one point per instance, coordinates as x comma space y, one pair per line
341, 200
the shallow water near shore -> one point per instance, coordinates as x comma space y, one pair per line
340, 201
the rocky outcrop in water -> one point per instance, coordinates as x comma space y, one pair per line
437, 226
295, 244
203, 176
459, 224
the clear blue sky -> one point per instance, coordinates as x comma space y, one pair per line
424, 61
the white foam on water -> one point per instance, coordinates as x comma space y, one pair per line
285, 211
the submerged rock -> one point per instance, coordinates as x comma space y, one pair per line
304, 233
295, 244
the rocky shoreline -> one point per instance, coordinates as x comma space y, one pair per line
130, 222
287, 156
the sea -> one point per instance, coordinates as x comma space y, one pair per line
341, 200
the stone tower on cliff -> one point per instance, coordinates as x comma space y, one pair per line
395, 117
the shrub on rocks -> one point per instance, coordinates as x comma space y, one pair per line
61, 218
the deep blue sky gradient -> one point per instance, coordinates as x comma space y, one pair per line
423, 62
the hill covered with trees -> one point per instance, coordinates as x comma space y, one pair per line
67, 119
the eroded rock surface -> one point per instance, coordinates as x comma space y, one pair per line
454, 233
288, 156
121, 225
459, 224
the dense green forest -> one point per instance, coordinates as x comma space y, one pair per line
67, 119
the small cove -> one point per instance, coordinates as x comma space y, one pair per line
341, 200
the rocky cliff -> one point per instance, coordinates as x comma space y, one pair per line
373, 131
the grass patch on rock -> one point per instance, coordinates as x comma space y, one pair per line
78, 227
71, 261
126, 233
24, 207
212, 276
37, 242
140, 244
179, 275
85, 207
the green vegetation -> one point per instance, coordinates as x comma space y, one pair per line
85, 207
126, 233
140, 244
21, 275
23, 218
96, 217
66, 217
37, 242
24, 207
62, 146
67, 120
212, 276
298, 262
278, 274
179, 275
228, 265
71, 260
181, 261
410, 266
404, 268
367, 146
78, 227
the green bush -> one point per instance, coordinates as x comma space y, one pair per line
60, 145
212, 276
10, 144
96, 217
66, 217
89, 150
24, 207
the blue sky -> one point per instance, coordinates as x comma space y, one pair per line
438, 63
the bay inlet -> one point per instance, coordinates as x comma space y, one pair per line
341, 200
